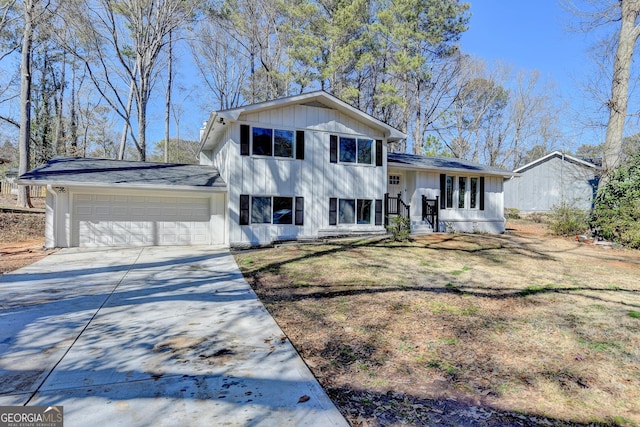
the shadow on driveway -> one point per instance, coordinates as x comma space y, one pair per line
157, 335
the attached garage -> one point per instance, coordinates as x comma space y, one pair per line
141, 220
131, 203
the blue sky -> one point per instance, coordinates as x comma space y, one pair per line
536, 35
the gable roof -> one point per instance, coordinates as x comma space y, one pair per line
443, 164
87, 172
557, 154
218, 119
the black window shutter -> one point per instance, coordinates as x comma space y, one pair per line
378, 212
299, 211
333, 148
443, 191
333, 211
244, 209
245, 132
378, 152
300, 144
482, 193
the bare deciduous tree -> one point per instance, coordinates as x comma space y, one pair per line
29, 9
622, 15
125, 40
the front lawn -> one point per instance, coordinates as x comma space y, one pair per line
454, 329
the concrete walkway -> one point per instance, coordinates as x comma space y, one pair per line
157, 336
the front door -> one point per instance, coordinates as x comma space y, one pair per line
396, 185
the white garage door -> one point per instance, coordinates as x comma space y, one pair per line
140, 220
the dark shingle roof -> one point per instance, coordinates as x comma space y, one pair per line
122, 173
443, 164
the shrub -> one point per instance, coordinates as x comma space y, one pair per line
616, 214
567, 220
400, 228
537, 217
512, 213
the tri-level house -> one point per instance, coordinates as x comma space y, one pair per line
303, 167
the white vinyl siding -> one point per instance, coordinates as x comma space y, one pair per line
314, 178
427, 183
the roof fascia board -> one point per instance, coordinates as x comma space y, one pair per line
390, 132
122, 186
556, 154
454, 170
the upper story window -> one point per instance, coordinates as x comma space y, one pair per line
355, 150
272, 142
350, 149
263, 141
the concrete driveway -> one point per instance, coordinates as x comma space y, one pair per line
150, 336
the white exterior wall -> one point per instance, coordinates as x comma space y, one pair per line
549, 184
489, 220
57, 218
314, 178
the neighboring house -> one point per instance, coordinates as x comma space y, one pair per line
550, 181
303, 167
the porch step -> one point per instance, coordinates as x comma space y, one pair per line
420, 227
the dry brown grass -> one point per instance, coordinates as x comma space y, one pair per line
514, 324
19, 226
21, 236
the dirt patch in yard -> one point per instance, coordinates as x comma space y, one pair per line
21, 235
454, 329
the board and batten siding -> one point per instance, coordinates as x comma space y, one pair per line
550, 184
314, 178
490, 220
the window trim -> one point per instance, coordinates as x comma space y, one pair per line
247, 142
445, 203
374, 211
246, 210
450, 191
474, 194
335, 150
462, 191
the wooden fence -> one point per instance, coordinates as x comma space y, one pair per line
12, 188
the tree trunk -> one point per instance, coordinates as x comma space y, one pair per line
59, 143
24, 198
125, 129
628, 36
168, 103
73, 124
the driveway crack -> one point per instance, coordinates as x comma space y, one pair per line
117, 285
